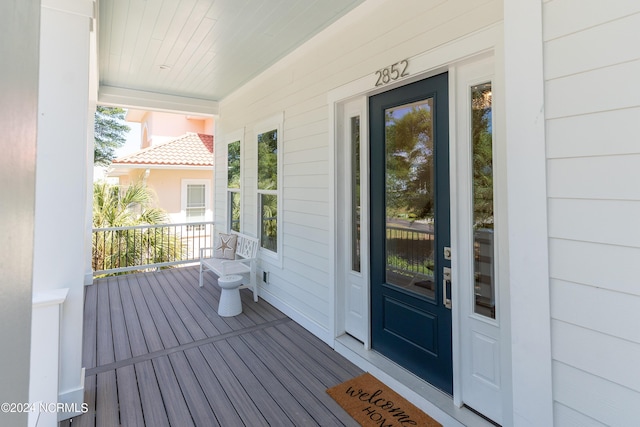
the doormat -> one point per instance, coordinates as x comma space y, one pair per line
372, 403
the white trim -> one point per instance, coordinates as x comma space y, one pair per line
208, 215
73, 397
342, 261
440, 59
417, 391
326, 335
138, 99
275, 122
425, 64
73, 7
52, 297
456, 357
496, 397
528, 254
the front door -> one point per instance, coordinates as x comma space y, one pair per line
410, 228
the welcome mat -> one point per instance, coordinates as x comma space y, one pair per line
371, 403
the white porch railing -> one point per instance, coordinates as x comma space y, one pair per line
139, 248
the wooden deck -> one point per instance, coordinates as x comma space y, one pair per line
157, 354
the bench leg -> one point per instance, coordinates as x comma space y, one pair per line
200, 275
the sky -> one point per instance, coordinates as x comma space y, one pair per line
133, 141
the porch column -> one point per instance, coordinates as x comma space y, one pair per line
63, 175
19, 37
527, 212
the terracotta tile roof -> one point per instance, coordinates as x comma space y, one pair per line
192, 149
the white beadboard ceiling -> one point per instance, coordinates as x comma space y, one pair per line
203, 49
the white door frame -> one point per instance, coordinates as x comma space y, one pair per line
421, 66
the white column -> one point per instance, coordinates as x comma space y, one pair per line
527, 214
45, 355
62, 175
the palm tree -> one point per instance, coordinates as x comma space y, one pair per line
130, 247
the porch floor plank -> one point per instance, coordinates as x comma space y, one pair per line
157, 354
129, 397
107, 400
137, 339
150, 396
89, 326
152, 338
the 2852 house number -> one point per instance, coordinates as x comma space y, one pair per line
392, 72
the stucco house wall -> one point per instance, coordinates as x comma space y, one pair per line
168, 185
158, 127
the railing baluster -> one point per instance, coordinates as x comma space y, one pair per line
135, 248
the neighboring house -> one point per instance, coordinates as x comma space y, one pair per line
526, 309
178, 170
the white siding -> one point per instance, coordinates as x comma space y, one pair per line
592, 60
376, 34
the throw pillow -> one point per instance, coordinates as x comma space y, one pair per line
225, 247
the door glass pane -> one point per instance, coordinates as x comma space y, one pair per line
483, 254
410, 197
355, 193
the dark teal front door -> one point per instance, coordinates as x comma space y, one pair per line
410, 228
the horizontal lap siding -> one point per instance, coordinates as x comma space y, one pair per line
298, 86
592, 61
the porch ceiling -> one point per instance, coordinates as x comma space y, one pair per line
202, 49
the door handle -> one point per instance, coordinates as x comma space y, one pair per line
446, 287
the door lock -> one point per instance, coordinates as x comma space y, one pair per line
446, 287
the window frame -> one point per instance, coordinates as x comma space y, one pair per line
273, 123
185, 183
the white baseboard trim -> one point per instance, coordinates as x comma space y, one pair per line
297, 316
432, 401
72, 398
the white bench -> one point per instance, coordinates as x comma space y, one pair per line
244, 263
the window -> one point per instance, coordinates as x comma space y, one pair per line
233, 185
355, 193
196, 206
268, 189
483, 218
269, 139
196, 200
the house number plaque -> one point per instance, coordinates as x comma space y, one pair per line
392, 72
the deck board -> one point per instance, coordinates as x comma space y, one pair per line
90, 320
157, 354
149, 327
138, 344
150, 396
129, 397
107, 400
121, 346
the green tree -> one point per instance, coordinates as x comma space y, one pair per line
110, 132
409, 142
482, 156
122, 248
